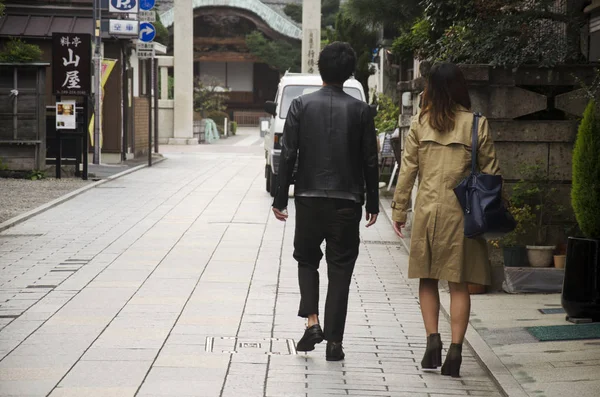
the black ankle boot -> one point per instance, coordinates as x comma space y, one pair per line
433, 353
451, 366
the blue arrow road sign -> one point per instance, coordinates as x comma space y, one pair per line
147, 32
124, 5
147, 5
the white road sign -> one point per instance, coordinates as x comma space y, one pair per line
147, 16
123, 27
145, 50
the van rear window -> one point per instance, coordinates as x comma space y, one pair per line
292, 92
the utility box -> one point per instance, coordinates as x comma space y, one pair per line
23, 116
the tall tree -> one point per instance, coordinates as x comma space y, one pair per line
280, 55
363, 40
329, 11
388, 13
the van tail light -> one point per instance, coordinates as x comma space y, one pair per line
277, 141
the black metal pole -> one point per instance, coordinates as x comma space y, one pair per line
59, 144
149, 85
155, 71
85, 140
97, 77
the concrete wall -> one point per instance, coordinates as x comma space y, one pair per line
166, 114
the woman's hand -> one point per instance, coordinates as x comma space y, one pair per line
398, 226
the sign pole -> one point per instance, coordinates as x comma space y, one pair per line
97, 78
150, 89
85, 139
155, 71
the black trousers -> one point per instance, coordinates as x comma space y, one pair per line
337, 222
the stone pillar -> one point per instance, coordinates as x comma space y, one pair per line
184, 73
164, 82
311, 35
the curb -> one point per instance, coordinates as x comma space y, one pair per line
45, 207
503, 378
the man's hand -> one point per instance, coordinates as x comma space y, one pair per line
371, 218
281, 215
398, 226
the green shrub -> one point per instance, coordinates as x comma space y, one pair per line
17, 51
585, 194
387, 114
234, 127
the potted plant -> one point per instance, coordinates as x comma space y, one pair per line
513, 249
581, 288
537, 191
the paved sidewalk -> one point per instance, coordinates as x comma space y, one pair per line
524, 365
176, 281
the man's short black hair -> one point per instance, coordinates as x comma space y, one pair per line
337, 63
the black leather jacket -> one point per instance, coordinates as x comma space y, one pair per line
333, 136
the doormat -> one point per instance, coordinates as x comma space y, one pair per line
552, 311
565, 332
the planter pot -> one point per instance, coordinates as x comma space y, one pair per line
540, 255
559, 261
581, 287
515, 256
476, 289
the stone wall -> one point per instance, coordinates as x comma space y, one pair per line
141, 114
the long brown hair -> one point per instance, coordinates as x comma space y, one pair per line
445, 91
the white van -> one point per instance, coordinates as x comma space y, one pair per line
291, 86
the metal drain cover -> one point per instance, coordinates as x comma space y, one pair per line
270, 346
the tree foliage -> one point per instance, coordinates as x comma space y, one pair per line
280, 55
18, 51
1, 8
209, 96
497, 32
294, 11
362, 39
585, 193
329, 11
162, 33
388, 113
391, 13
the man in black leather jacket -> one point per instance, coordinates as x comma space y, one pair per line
333, 137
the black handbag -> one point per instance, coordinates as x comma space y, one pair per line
480, 196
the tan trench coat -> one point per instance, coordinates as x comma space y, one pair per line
438, 247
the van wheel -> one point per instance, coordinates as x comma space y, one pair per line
268, 178
274, 183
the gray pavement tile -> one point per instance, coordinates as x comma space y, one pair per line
239, 260
93, 392
100, 374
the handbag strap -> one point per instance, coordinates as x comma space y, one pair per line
474, 142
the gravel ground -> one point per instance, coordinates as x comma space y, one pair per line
18, 196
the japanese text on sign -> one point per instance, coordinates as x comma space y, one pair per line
71, 64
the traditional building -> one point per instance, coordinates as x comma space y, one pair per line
222, 56
34, 21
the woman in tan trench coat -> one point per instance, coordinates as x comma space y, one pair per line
438, 152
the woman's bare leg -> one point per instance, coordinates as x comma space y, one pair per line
460, 310
429, 297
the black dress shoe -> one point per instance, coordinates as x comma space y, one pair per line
312, 336
334, 352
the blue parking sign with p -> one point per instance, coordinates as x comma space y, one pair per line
147, 32
124, 5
